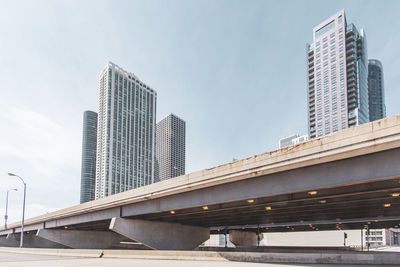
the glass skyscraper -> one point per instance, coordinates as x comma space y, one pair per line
337, 77
88, 168
376, 90
126, 132
170, 147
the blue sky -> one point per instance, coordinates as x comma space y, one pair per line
234, 70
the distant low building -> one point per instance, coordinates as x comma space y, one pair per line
292, 140
219, 240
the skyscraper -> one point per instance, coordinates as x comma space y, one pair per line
126, 132
88, 168
170, 147
337, 77
376, 90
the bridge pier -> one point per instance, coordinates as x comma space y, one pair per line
243, 238
81, 239
161, 235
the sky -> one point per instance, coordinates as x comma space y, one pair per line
235, 71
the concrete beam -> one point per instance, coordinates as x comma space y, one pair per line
6, 232
244, 238
28, 228
81, 239
100, 215
161, 235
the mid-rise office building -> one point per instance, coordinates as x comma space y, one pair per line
170, 147
376, 90
292, 140
126, 132
88, 167
337, 77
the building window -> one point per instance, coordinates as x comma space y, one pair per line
340, 21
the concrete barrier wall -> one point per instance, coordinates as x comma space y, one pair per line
332, 238
315, 258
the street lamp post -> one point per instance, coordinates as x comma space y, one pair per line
21, 242
6, 216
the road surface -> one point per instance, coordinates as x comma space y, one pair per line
8, 259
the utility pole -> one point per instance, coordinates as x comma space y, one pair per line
362, 240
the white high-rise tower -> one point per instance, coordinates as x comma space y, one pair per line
337, 77
125, 133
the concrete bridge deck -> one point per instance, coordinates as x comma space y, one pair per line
344, 180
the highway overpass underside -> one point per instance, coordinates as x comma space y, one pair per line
344, 194
344, 207
347, 194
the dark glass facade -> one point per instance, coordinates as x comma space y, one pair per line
170, 148
89, 144
376, 90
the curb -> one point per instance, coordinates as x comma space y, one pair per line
165, 255
87, 253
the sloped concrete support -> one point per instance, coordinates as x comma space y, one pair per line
30, 241
244, 238
161, 235
82, 239
8, 241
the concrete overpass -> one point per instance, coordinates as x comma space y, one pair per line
346, 180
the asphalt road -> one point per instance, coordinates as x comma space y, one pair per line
30, 260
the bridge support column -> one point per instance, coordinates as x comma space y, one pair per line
161, 235
81, 239
243, 238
